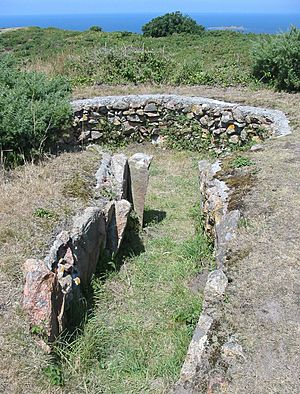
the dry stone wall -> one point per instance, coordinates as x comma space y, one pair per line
54, 285
221, 223
200, 122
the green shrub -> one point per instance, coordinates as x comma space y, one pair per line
277, 60
116, 66
168, 24
192, 73
33, 111
96, 28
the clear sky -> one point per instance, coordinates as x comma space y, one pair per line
21, 7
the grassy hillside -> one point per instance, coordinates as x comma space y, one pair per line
87, 58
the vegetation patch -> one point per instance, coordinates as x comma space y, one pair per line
34, 109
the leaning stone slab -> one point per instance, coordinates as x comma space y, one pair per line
195, 362
88, 238
139, 165
39, 296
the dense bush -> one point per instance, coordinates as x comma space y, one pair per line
171, 23
277, 60
116, 65
96, 28
33, 110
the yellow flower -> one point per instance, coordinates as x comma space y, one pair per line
77, 281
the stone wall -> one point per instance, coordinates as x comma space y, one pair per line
54, 286
204, 123
221, 223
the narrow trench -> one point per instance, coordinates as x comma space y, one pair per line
146, 305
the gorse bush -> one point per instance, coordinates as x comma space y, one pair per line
168, 24
33, 110
116, 65
277, 60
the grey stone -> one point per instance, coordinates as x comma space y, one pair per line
238, 115
120, 105
257, 148
205, 107
122, 210
103, 173
216, 286
139, 165
134, 119
204, 120
226, 117
150, 107
234, 139
89, 239
95, 135
119, 173
84, 136
231, 351
225, 232
194, 362
244, 135
58, 249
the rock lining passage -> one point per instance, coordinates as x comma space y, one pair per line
216, 125
54, 285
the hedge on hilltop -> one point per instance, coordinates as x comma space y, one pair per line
34, 109
277, 60
168, 24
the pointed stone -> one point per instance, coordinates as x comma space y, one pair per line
38, 297
139, 165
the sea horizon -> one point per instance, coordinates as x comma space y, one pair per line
270, 23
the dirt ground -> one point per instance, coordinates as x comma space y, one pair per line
263, 306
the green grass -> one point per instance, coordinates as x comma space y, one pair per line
144, 315
222, 58
241, 161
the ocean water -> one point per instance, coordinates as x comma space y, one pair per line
249, 23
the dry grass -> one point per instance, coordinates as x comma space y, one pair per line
24, 234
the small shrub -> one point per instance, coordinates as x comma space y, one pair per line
277, 60
96, 28
241, 161
33, 111
43, 213
54, 373
168, 24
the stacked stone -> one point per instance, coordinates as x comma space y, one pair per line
53, 285
147, 119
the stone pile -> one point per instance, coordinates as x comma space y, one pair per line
219, 125
54, 285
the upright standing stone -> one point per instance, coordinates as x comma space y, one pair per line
38, 297
139, 165
119, 172
88, 239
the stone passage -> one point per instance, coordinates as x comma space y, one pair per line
53, 286
199, 122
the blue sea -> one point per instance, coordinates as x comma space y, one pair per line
248, 23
